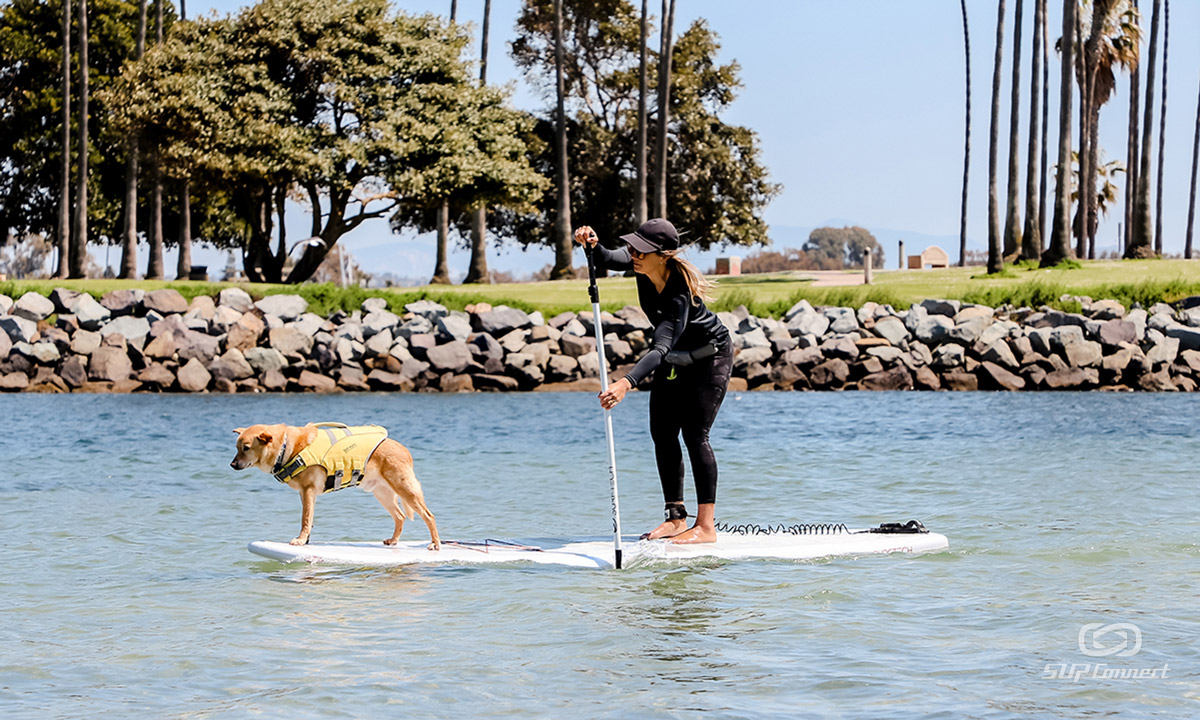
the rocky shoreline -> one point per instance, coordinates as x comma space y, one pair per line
157, 341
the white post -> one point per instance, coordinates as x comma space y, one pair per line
867, 267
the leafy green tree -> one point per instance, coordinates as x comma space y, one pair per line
830, 248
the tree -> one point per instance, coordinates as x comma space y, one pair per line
562, 185
830, 248
477, 270
995, 259
1132, 163
129, 239
962, 230
1012, 215
441, 267
1187, 245
1043, 165
640, 206
1060, 237
1139, 242
78, 254
1162, 131
667, 36
1031, 239
154, 264
64, 188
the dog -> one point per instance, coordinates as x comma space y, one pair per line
324, 457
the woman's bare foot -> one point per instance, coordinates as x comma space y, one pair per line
668, 528
694, 536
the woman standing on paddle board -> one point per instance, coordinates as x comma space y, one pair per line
689, 360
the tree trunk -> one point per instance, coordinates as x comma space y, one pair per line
666, 49
1187, 243
1045, 128
183, 267
995, 260
1060, 237
1100, 12
1162, 131
64, 184
441, 268
1031, 240
562, 185
1139, 243
1012, 217
1132, 150
478, 270
962, 226
78, 254
154, 266
640, 207
129, 238
1081, 195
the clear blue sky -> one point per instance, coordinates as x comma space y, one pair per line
859, 108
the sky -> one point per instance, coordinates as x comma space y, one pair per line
859, 110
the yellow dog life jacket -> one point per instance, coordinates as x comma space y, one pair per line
343, 452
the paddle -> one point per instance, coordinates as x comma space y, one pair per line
594, 293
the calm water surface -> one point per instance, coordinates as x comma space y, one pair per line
126, 589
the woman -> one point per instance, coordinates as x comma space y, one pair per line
690, 359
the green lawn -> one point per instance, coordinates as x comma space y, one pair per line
1145, 281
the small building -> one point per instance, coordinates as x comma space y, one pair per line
931, 257
731, 265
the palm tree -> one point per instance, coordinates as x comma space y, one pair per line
154, 266
562, 220
1060, 237
441, 266
639, 204
1139, 242
995, 260
1045, 128
78, 255
1132, 162
1012, 216
667, 47
1031, 240
129, 239
1081, 68
64, 185
1162, 130
477, 272
962, 228
1187, 243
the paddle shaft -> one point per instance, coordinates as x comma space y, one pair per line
594, 293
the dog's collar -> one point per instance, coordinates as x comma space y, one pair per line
280, 458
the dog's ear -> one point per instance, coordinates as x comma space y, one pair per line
239, 431
264, 438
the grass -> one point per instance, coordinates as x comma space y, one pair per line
1128, 281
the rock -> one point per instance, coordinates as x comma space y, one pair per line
134, 329
456, 384
160, 348
347, 351
194, 345
236, 299
14, 381
46, 353
973, 311
1113, 332
284, 307
574, 346
1189, 338
377, 322
244, 333
308, 324
967, 332
453, 357
122, 302
998, 377
897, 378
419, 344
961, 381
804, 357
165, 302
33, 306
6, 345
1000, 353
634, 318
1190, 316
90, 314
1039, 340
383, 380
501, 321
886, 354
1084, 354
74, 371
948, 308
561, 368
779, 345
19, 329
755, 338
839, 347
1070, 378
926, 379
379, 344
948, 356
891, 329
231, 366
1157, 382
1107, 310
495, 382
575, 327
454, 327
109, 364
933, 329
802, 319
414, 326
312, 382
589, 364
265, 360
428, 309
85, 342
352, 378
752, 355
1064, 335
841, 320
64, 301
290, 341
1163, 352
831, 374
786, 376
1190, 358
1161, 321
514, 341
158, 375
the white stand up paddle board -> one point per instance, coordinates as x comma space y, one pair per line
758, 544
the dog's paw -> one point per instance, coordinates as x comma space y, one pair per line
390, 541
298, 541
433, 546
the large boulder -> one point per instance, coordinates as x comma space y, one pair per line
967, 332
452, 357
1188, 337
123, 302
264, 359
14, 381
427, 309
454, 326
998, 377
803, 319
193, 377
933, 329
948, 308
891, 329
19, 329
133, 329
501, 320
1000, 353
377, 322
290, 341
191, 345
74, 371
235, 298
839, 347
831, 374
231, 366
841, 320
158, 375
165, 302
576, 346
161, 347
90, 314
109, 364
245, 333
312, 382
897, 378
1163, 352
284, 307
1114, 331
33, 306
948, 356
1083, 354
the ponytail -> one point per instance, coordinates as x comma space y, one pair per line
699, 287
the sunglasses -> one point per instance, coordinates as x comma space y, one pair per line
633, 252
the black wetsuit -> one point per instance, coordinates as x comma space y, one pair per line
683, 398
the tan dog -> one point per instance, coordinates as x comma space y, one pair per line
282, 451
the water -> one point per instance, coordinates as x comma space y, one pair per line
126, 589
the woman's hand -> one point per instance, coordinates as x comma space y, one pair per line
614, 394
585, 235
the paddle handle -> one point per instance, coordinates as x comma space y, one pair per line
594, 294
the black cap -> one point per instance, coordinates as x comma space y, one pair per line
653, 236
